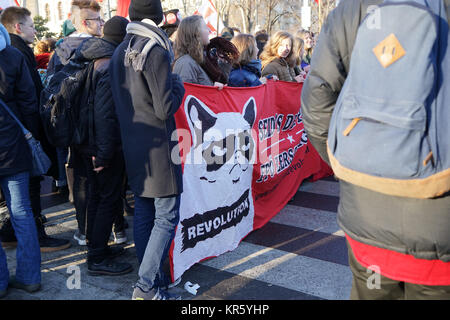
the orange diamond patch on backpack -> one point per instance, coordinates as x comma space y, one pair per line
389, 51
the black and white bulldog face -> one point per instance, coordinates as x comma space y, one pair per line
223, 146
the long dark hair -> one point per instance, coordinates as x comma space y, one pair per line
219, 48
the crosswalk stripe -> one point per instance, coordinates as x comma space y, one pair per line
311, 219
323, 279
329, 188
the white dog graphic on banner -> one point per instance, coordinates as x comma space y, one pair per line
216, 209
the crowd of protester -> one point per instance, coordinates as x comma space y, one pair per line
128, 79
95, 175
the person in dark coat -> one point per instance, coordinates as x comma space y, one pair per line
21, 29
85, 22
409, 237
261, 39
101, 153
17, 92
147, 95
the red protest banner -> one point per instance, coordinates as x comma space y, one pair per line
244, 153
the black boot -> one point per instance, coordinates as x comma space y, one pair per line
7, 235
129, 210
108, 267
49, 244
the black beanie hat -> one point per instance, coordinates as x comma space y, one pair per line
146, 9
115, 29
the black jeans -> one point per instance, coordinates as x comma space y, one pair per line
80, 188
104, 204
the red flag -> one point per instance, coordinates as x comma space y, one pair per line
209, 13
122, 8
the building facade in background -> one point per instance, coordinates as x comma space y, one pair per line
57, 11
248, 15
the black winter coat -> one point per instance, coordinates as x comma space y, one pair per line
37, 130
18, 43
106, 132
419, 227
145, 104
20, 96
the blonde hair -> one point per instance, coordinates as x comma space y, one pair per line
77, 15
189, 40
297, 48
303, 34
245, 43
270, 51
41, 47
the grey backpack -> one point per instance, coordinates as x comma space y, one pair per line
390, 129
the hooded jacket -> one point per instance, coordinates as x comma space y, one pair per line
64, 51
246, 76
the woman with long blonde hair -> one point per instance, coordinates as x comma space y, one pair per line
276, 57
247, 69
296, 58
309, 40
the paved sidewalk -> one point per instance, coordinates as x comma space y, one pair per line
301, 254
63, 271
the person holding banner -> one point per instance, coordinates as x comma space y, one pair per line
197, 58
296, 59
276, 57
247, 71
220, 56
192, 36
309, 40
147, 95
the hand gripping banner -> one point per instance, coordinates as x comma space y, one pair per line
244, 153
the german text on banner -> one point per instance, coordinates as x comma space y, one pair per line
244, 153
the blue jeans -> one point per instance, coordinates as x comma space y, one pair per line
155, 220
28, 255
